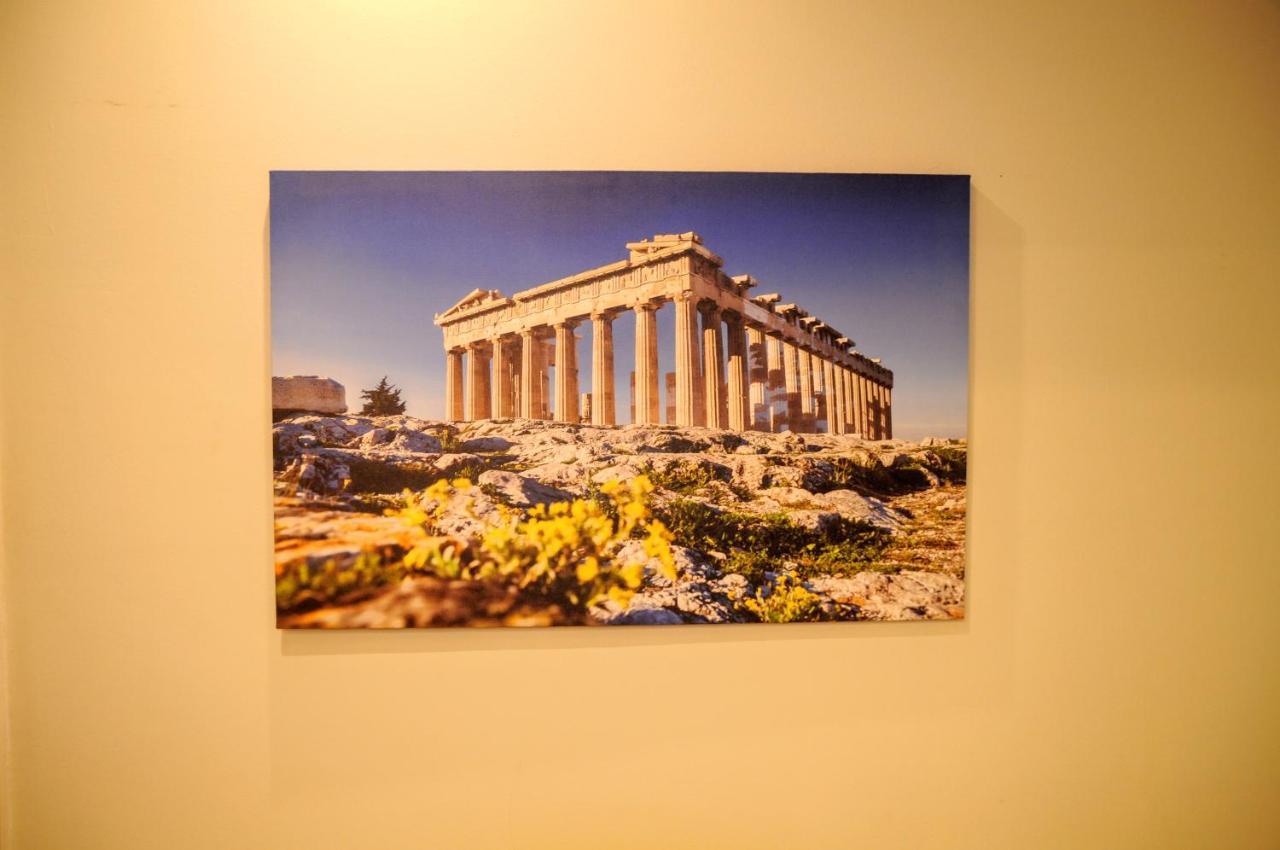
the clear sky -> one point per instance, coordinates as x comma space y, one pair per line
361, 261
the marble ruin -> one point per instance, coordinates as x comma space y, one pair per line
742, 361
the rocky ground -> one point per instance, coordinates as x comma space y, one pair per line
774, 527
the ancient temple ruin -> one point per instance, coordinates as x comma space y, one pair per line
742, 361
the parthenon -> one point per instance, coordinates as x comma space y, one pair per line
742, 361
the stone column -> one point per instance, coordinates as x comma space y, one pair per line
530, 379
738, 397
849, 384
477, 382
713, 366
881, 420
645, 398
513, 383
544, 392
500, 382
808, 406
859, 405
842, 397
791, 382
869, 408
566, 373
453, 396
832, 397
888, 412
603, 411
759, 376
775, 381
773, 364
689, 402
851, 401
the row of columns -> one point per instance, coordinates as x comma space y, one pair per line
506, 377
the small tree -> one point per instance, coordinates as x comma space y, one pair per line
382, 400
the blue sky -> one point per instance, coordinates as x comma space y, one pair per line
361, 261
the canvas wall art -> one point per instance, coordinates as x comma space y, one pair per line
618, 398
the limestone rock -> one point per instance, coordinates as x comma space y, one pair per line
908, 595
308, 393
409, 440
314, 473
817, 481
519, 491
486, 444
450, 464
375, 437
637, 616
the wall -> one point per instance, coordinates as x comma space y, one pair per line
1116, 682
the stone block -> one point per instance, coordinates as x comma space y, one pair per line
308, 393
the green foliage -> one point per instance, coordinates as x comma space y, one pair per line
955, 464
750, 565
786, 601
470, 470
371, 476
852, 556
851, 474
681, 478
382, 400
871, 477
754, 545
449, 442
377, 503
302, 584
711, 529
375, 477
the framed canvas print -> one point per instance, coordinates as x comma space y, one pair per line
618, 398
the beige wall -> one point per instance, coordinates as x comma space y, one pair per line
1116, 683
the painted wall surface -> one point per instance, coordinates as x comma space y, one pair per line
1116, 683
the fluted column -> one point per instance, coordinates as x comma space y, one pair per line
808, 406
775, 379
858, 402
849, 396
864, 408
831, 396
453, 395
500, 380
737, 392
791, 382
545, 391
530, 379
603, 404
514, 370
882, 430
566, 373
759, 376
845, 380
880, 417
645, 402
713, 366
477, 382
689, 401
775, 382
888, 413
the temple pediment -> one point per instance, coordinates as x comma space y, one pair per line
473, 300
